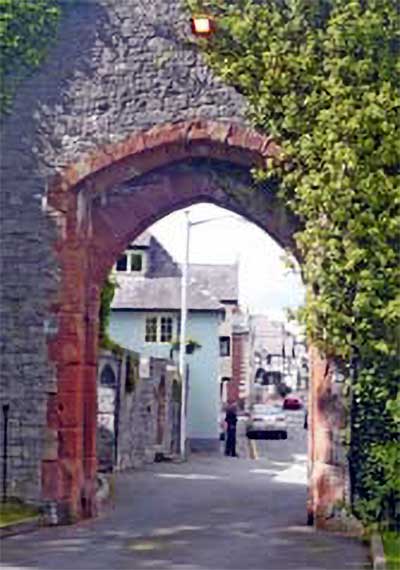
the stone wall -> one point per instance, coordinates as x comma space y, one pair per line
116, 67
138, 413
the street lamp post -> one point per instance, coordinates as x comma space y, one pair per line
183, 326
182, 335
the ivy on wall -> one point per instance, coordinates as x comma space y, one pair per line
106, 297
323, 78
27, 27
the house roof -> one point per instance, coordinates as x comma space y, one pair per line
160, 287
163, 293
222, 280
143, 240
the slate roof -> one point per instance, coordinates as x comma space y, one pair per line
143, 240
222, 280
162, 293
160, 288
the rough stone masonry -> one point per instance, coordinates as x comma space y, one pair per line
117, 67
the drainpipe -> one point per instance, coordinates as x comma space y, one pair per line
6, 408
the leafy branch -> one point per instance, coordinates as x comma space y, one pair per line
323, 78
27, 27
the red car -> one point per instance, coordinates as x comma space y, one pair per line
292, 403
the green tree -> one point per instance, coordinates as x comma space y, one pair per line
323, 77
26, 29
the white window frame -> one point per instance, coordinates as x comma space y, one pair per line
159, 328
166, 326
127, 263
129, 253
147, 329
226, 341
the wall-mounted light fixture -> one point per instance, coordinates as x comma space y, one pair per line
202, 25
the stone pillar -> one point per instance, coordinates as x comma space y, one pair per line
327, 469
89, 393
62, 474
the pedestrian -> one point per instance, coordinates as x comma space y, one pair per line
231, 421
305, 424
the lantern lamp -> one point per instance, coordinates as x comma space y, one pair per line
202, 25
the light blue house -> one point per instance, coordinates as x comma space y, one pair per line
145, 318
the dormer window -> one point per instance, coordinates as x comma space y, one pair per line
131, 262
122, 263
136, 261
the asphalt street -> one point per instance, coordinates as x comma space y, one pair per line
210, 513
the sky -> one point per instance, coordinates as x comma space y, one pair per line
266, 285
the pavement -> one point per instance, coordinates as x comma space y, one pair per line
211, 513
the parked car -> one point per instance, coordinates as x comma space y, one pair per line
292, 403
265, 421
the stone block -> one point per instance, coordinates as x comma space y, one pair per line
70, 443
50, 445
51, 480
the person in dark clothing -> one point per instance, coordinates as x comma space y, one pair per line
231, 421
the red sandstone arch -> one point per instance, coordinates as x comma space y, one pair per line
90, 236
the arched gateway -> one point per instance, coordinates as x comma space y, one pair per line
101, 204
122, 124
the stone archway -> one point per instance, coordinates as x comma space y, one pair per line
102, 203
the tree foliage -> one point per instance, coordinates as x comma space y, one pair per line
26, 29
323, 77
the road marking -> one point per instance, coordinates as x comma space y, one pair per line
253, 451
256, 454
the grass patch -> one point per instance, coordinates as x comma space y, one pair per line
14, 512
391, 546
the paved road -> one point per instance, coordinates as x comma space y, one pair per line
293, 449
211, 513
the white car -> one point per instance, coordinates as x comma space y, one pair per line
266, 420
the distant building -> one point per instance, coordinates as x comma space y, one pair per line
146, 318
239, 389
278, 358
222, 280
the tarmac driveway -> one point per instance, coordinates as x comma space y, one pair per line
211, 513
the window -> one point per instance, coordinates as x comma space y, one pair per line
224, 346
107, 377
166, 329
151, 329
122, 263
130, 262
136, 262
159, 329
